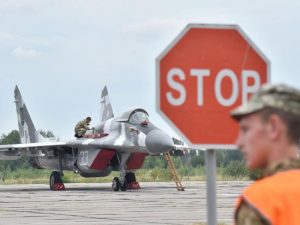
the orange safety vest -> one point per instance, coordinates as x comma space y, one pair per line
276, 198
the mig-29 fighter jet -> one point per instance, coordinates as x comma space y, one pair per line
116, 144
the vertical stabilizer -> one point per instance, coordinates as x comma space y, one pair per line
106, 111
26, 126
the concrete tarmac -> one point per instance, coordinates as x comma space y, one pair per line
156, 203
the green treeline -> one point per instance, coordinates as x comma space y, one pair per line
230, 165
12, 138
191, 166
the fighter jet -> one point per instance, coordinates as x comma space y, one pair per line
116, 144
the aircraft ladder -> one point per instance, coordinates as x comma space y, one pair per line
173, 171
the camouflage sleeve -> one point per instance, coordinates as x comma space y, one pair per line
246, 215
86, 126
82, 125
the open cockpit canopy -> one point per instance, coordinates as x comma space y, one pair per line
134, 116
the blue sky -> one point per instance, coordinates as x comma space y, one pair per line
62, 53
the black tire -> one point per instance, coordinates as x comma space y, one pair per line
54, 179
130, 177
116, 184
124, 186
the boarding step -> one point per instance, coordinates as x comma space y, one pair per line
173, 171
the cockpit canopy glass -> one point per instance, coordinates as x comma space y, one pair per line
138, 117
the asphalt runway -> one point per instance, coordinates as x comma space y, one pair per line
156, 203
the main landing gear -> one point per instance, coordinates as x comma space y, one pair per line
55, 182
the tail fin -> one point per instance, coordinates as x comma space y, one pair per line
106, 111
27, 130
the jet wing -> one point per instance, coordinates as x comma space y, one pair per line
15, 151
42, 149
4, 148
104, 142
112, 141
107, 142
78, 143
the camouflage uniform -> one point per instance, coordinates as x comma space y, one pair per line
280, 97
247, 214
81, 127
275, 96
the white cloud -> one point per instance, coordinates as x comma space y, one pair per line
26, 54
156, 27
28, 7
48, 42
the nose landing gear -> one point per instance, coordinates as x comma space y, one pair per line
117, 185
127, 180
129, 183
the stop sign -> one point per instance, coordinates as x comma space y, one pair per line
202, 75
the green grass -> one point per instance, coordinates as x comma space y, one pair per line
37, 176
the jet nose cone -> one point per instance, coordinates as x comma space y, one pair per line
158, 141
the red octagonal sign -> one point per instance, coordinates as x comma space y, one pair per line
202, 75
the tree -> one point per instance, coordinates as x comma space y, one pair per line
47, 134
153, 162
12, 138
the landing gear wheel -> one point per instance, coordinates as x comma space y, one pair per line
131, 181
124, 186
130, 177
116, 184
55, 181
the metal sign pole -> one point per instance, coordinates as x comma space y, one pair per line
211, 193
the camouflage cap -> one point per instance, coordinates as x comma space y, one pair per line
278, 96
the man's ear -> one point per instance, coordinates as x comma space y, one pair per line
275, 127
